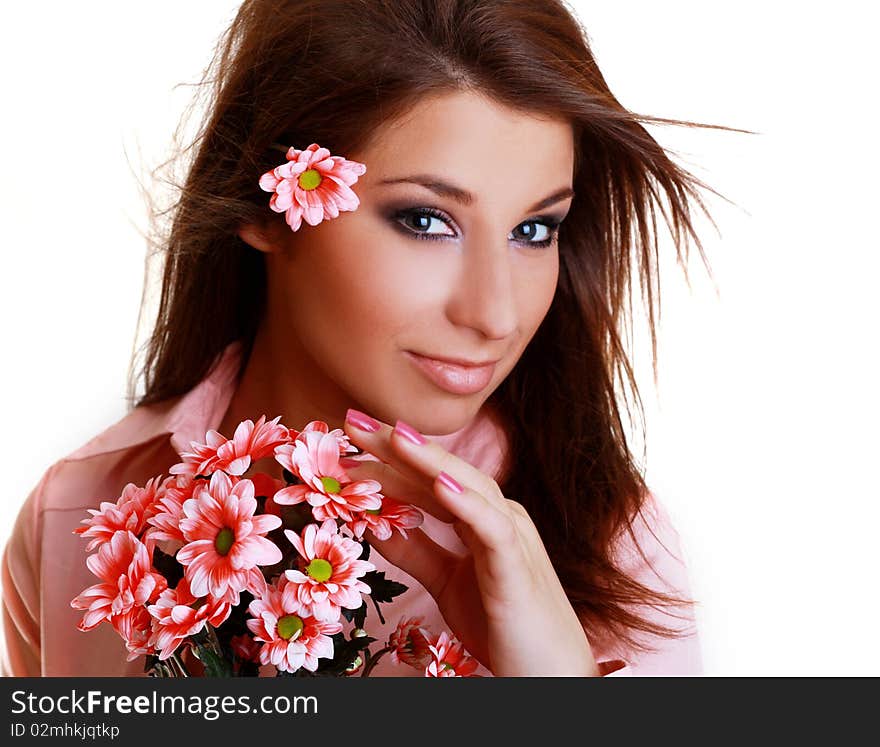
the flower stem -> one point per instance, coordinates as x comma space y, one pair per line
373, 660
378, 611
176, 660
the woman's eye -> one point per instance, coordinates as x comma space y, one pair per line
425, 223
534, 232
428, 223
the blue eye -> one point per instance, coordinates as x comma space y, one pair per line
419, 222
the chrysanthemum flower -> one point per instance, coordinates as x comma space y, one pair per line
314, 458
291, 636
381, 521
135, 628
225, 541
234, 456
312, 185
165, 522
128, 579
449, 659
319, 426
331, 570
179, 615
130, 512
410, 643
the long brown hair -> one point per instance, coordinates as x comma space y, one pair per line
331, 71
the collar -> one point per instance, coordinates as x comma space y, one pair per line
186, 417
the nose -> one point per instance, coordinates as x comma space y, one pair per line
485, 298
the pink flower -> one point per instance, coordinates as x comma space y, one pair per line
127, 580
381, 521
410, 643
130, 512
135, 628
250, 443
319, 426
314, 458
332, 570
312, 185
449, 659
225, 541
179, 615
291, 636
165, 523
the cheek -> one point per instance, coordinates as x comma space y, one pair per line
356, 285
536, 286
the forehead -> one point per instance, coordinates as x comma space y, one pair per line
475, 141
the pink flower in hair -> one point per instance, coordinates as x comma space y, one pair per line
312, 185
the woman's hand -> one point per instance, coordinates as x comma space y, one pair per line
502, 599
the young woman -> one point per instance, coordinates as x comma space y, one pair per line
507, 201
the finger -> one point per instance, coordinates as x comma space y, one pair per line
489, 533
419, 556
395, 485
414, 454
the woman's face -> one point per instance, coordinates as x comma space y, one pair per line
351, 298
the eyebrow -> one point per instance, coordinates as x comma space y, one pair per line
445, 189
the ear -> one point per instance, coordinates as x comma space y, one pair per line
261, 237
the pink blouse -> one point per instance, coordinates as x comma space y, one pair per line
44, 562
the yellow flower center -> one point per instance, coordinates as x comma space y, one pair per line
224, 540
319, 569
374, 511
310, 179
331, 484
290, 627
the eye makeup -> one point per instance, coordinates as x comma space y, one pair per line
424, 215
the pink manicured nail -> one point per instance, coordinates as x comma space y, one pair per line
361, 420
410, 433
449, 482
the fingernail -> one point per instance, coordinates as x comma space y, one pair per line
361, 420
410, 433
449, 482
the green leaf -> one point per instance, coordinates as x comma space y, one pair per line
359, 615
215, 665
382, 589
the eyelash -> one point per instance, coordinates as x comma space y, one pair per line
551, 223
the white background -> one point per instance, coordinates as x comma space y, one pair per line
762, 434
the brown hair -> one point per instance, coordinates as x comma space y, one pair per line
332, 71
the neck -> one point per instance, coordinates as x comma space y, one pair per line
282, 379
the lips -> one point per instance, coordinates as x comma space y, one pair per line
454, 377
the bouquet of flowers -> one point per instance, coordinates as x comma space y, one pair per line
218, 569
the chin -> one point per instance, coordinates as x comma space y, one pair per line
436, 418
